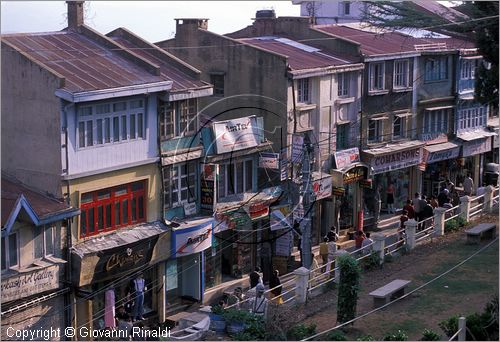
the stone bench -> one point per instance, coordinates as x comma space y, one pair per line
388, 292
476, 233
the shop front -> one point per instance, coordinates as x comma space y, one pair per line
184, 271
439, 162
474, 147
396, 165
112, 262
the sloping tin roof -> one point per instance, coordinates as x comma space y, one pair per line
43, 206
181, 81
85, 64
300, 56
390, 42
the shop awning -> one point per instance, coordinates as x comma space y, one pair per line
391, 148
235, 202
477, 134
439, 152
120, 252
181, 156
240, 153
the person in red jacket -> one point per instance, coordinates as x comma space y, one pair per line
409, 209
360, 236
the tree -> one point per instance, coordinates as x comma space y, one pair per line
348, 288
476, 21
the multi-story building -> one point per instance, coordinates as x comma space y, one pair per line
35, 274
292, 89
92, 104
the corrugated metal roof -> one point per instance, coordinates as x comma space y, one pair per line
390, 42
299, 58
181, 81
42, 205
85, 64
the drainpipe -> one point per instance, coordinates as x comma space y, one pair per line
414, 98
69, 280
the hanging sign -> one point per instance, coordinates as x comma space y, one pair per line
347, 157
297, 148
365, 184
269, 160
192, 239
283, 166
283, 244
207, 181
355, 174
257, 211
322, 188
236, 134
280, 217
338, 191
451, 153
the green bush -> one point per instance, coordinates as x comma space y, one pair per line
461, 221
398, 336
237, 315
255, 329
449, 326
429, 335
366, 338
372, 262
451, 225
335, 336
300, 332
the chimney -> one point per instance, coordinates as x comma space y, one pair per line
75, 14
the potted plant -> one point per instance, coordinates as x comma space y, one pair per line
217, 321
236, 320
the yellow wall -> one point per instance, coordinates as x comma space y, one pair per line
148, 172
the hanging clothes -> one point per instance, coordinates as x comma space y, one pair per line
109, 309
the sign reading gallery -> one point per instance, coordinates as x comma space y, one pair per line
28, 284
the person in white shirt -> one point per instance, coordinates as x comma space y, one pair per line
258, 304
468, 185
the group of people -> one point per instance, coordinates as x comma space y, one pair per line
327, 250
255, 300
421, 207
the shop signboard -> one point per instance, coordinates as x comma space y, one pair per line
297, 148
478, 146
269, 160
496, 141
338, 191
283, 244
365, 184
433, 157
322, 187
192, 240
396, 160
283, 211
257, 210
283, 166
207, 181
23, 285
347, 157
236, 134
434, 138
355, 174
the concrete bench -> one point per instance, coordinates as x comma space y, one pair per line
476, 233
388, 292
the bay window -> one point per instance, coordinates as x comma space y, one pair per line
179, 184
178, 118
436, 68
435, 121
112, 208
235, 178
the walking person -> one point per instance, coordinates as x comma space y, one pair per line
409, 209
390, 199
416, 206
255, 279
276, 288
258, 304
427, 212
332, 249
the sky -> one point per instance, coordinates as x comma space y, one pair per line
152, 20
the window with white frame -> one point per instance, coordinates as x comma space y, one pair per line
235, 178
375, 127
178, 118
435, 121
436, 68
343, 84
468, 69
398, 127
377, 76
401, 70
10, 251
303, 91
179, 184
44, 241
110, 122
471, 118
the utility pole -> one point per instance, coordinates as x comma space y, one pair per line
307, 202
